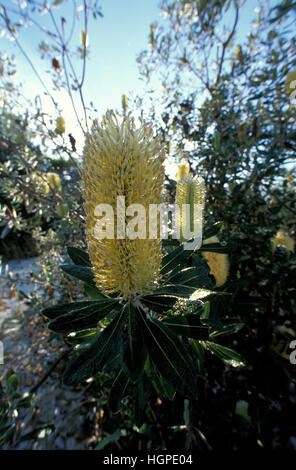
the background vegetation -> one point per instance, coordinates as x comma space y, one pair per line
223, 107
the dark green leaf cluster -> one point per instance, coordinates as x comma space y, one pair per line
157, 339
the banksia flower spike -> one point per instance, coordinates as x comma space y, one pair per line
190, 190
183, 169
122, 161
218, 263
282, 238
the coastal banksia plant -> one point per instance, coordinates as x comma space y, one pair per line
128, 326
121, 160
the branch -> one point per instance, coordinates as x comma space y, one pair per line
225, 44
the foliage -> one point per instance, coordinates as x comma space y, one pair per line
225, 108
11, 405
141, 339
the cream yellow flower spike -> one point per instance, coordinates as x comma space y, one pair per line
121, 160
183, 169
218, 263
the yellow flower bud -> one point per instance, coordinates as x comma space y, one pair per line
53, 182
84, 38
291, 77
190, 190
124, 103
183, 169
282, 238
218, 263
122, 160
60, 125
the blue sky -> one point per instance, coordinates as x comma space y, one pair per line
115, 42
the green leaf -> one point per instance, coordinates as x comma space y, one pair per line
169, 356
93, 293
117, 391
83, 273
159, 303
185, 282
199, 355
211, 230
227, 330
242, 410
58, 310
188, 326
81, 336
111, 438
78, 256
86, 317
92, 359
209, 317
195, 276
12, 383
160, 385
134, 352
229, 356
216, 248
177, 257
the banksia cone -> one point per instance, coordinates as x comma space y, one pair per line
190, 190
183, 169
218, 263
282, 238
121, 160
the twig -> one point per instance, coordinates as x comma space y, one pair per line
225, 44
